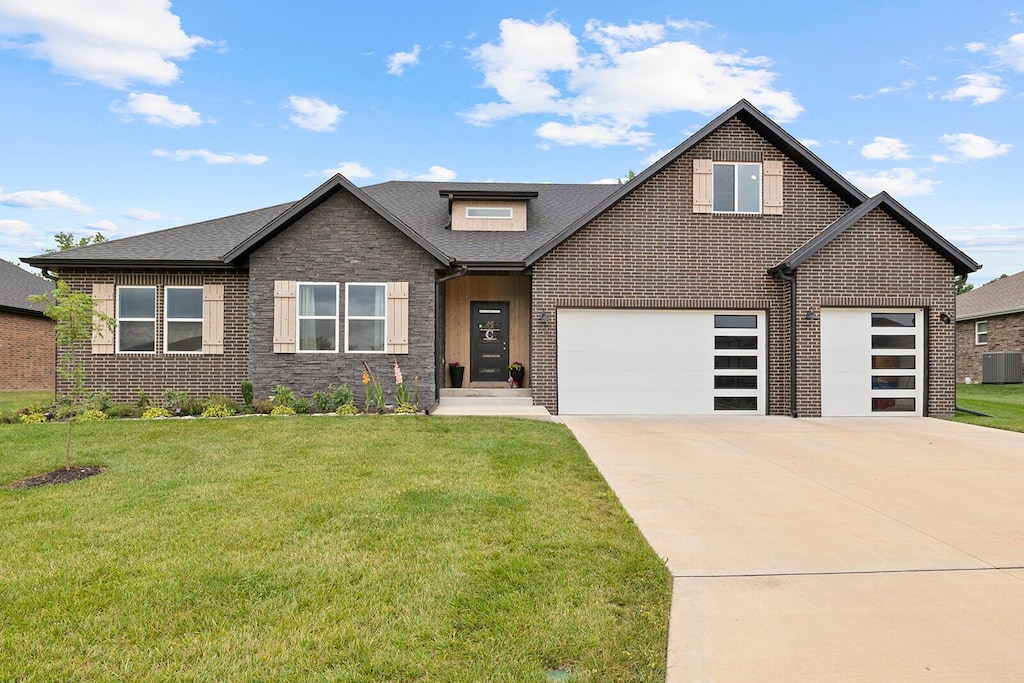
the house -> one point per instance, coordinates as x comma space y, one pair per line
989, 319
738, 274
27, 343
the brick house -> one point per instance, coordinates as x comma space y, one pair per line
989, 319
738, 274
27, 345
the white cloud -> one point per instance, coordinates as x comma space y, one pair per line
43, 199
437, 173
971, 146
975, 47
888, 90
158, 110
982, 88
314, 114
211, 157
349, 169
1011, 53
398, 61
655, 156
886, 148
110, 43
632, 73
809, 142
689, 25
988, 238
142, 215
15, 228
104, 224
899, 182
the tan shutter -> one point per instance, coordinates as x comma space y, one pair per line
213, 319
772, 187
284, 316
702, 176
398, 317
103, 302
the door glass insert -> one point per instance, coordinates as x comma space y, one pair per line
893, 341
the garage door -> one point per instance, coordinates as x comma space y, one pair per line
641, 362
872, 362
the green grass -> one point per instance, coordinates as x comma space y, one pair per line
1004, 402
12, 400
322, 549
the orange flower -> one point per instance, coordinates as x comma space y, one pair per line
398, 373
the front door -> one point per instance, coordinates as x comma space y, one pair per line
488, 327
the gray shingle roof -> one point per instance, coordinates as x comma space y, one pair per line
17, 284
997, 297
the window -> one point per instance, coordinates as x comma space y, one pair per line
318, 317
981, 332
183, 320
489, 212
136, 319
365, 315
737, 188
893, 320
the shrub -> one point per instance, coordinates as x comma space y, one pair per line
335, 396
32, 418
282, 410
247, 393
98, 400
122, 410
218, 410
262, 406
221, 400
8, 417
283, 396
405, 408
143, 401
153, 412
302, 406
347, 409
174, 400
90, 415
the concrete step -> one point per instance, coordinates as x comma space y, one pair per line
527, 411
486, 400
480, 393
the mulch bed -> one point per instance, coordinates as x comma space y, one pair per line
61, 476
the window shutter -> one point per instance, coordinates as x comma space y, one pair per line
772, 187
702, 187
398, 317
103, 302
284, 316
213, 319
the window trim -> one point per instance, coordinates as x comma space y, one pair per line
299, 317
117, 298
383, 317
168, 320
978, 333
736, 166
509, 217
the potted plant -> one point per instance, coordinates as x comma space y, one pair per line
456, 371
516, 373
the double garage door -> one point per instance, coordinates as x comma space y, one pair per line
652, 362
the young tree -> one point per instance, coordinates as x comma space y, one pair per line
76, 315
65, 241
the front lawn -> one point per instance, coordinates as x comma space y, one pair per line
1004, 402
323, 548
13, 400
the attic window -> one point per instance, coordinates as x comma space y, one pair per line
500, 212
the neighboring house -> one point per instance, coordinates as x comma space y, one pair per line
27, 346
989, 318
738, 274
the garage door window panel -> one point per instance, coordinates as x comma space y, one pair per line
735, 403
893, 341
744, 343
893, 320
735, 362
893, 382
735, 382
893, 405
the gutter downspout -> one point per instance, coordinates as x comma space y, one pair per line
789, 275
439, 349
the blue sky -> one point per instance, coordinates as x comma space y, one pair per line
126, 117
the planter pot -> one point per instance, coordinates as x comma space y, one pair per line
517, 377
456, 375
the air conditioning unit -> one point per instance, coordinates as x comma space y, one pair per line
1003, 367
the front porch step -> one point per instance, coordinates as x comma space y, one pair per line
486, 400
492, 402
531, 412
475, 392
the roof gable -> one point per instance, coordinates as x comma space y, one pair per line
962, 264
998, 297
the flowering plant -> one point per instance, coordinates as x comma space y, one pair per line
516, 365
455, 364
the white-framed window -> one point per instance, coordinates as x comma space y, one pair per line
981, 332
183, 319
317, 309
500, 212
365, 317
736, 188
136, 319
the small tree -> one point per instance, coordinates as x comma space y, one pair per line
75, 314
65, 241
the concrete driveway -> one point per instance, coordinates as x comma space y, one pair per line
844, 549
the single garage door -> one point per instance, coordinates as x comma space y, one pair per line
644, 362
872, 362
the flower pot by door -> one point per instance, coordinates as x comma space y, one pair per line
517, 377
456, 375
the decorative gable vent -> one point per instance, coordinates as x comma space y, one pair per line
750, 156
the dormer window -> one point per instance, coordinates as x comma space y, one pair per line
493, 212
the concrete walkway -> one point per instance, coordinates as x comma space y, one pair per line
846, 549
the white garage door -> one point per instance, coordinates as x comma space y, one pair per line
641, 362
872, 362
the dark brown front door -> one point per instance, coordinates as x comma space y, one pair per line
488, 327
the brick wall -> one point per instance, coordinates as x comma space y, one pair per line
26, 352
341, 240
125, 375
651, 250
1005, 333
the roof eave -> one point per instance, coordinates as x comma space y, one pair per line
127, 264
989, 314
21, 311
